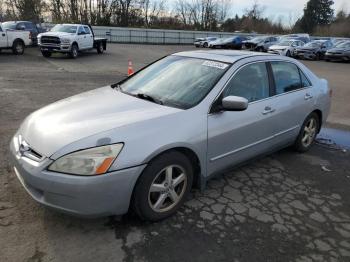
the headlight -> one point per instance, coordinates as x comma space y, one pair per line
65, 40
88, 162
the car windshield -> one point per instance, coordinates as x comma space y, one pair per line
313, 44
258, 39
175, 81
344, 45
9, 25
65, 29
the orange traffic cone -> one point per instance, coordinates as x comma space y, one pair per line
130, 70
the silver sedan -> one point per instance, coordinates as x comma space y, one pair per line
144, 142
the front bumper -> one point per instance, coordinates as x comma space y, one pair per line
337, 57
277, 52
60, 48
88, 196
305, 55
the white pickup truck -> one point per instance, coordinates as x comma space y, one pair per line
70, 39
16, 40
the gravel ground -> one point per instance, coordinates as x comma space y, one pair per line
284, 207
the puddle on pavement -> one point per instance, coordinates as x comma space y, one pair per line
333, 136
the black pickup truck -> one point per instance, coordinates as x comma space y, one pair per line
70, 39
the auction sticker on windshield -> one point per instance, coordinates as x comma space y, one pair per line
215, 64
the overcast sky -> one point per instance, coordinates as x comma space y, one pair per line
281, 8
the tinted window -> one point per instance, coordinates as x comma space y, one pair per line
28, 26
87, 29
304, 81
20, 26
286, 76
251, 82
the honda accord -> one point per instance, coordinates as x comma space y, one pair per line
144, 142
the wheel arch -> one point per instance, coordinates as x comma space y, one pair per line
18, 40
191, 154
75, 43
320, 118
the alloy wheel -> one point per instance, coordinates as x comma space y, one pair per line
168, 188
309, 132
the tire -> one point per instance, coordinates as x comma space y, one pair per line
100, 48
160, 204
303, 144
288, 53
318, 57
74, 51
18, 47
205, 45
260, 49
46, 53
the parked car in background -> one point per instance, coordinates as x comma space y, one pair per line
339, 53
207, 40
302, 37
16, 40
285, 47
197, 42
31, 27
200, 112
70, 39
314, 50
235, 42
260, 43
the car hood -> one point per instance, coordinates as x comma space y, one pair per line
59, 124
278, 47
58, 34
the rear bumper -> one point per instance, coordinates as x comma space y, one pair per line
87, 196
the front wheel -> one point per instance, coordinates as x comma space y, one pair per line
205, 45
288, 54
18, 48
163, 186
74, 51
307, 133
46, 53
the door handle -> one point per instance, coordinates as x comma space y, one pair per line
308, 96
3, 34
268, 110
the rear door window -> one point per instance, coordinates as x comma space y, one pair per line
287, 77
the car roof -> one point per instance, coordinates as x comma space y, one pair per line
227, 56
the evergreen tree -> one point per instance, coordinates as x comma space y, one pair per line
316, 12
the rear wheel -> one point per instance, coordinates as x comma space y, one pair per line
205, 45
318, 56
100, 48
74, 51
18, 47
307, 133
163, 186
46, 53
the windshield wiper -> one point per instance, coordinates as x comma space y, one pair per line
149, 98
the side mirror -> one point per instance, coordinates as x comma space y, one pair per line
234, 103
